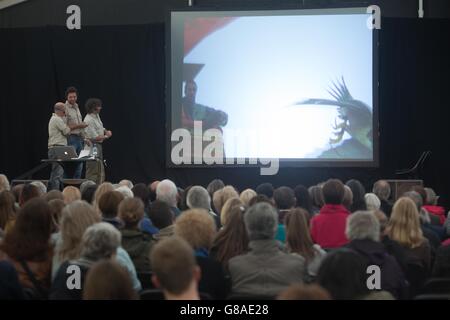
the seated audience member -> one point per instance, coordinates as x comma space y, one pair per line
183, 202
141, 191
125, 191
404, 228
27, 246
212, 187
56, 207
265, 189
328, 227
152, 187
358, 193
441, 268
134, 241
101, 190
382, 190
303, 199
232, 239
197, 227
54, 194
284, 199
372, 202
304, 292
4, 183
162, 219
107, 280
41, 187
175, 269
298, 241
7, 211
89, 193
247, 195
71, 194
126, 183
198, 198
29, 191
431, 219
16, 191
221, 196
10, 288
266, 270
347, 202
75, 219
108, 205
166, 191
85, 184
100, 241
363, 231
229, 205
432, 207
343, 275
260, 198
316, 194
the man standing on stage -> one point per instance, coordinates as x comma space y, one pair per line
96, 133
75, 123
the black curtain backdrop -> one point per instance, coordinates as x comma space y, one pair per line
125, 67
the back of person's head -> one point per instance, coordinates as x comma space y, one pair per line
29, 238
71, 194
229, 205
333, 191
29, 191
258, 199
404, 223
421, 191
152, 187
54, 194
198, 197
174, 265
247, 195
167, 191
265, 189
7, 208
131, 211
304, 292
316, 194
358, 192
75, 219
303, 199
4, 183
348, 198
284, 198
141, 191
197, 227
261, 221
363, 225
101, 190
56, 207
382, 220
298, 238
382, 189
88, 193
109, 204
125, 191
343, 274
108, 280
41, 187
85, 184
415, 197
100, 241
372, 201
432, 198
160, 214
17, 190
126, 183
214, 185
221, 196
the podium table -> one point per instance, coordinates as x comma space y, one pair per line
399, 187
69, 165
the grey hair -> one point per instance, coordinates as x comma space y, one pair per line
198, 197
432, 198
414, 196
126, 183
4, 183
363, 225
86, 184
125, 191
261, 221
166, 191
382, 189
38, 184
100, 241
372, 201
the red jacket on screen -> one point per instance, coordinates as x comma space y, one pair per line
437, 211
328, 227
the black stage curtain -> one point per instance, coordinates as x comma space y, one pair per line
125, 67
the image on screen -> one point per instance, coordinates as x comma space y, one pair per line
293, 85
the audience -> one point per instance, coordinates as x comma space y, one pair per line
303, 199
162, 218
126, 183
101, 190
7, 211
88, 193
431, 205
71, 194
166, 191
247, 195
382, 189
316, 194
10, 288
265, 189
125, 191
347, 202
54, 194
284, 199
372, 202
108, 205
141, 191
56, 207
358, 193
4, 183
198, 198
28, 192
229, 205
266, 270
221, 196
41, 187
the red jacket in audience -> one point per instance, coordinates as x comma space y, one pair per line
437, 211
328, 227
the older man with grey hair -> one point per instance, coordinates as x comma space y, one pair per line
41, 186
199, 198
266, 270
126, 183
363, 231
382, 190
167, 192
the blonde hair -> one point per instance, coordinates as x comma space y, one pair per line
101, 190
75, 219
229, 205
247, 195
404, 224
221, 196
70, 194
197, 227
131, 211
